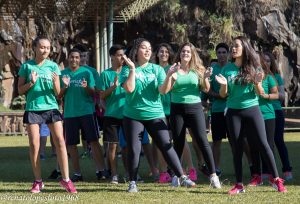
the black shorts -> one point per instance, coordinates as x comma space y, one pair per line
97, 128
40, 117
111, 127
88, 126
218, 126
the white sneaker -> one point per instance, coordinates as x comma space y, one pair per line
175, 182
185, 181
114, 179
215, 182
132, 188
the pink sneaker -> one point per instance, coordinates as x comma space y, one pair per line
164, 177
256, 180
193, 174
37, 187
236, 189
69, 186
278, 185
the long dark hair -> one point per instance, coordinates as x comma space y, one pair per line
133, 52
250, 62
170, 50
264, 64
273, 66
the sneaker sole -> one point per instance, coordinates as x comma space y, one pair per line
240, 191
66, 189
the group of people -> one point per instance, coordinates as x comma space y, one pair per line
161, 97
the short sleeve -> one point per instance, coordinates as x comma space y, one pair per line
91, 80
22, 71
56, 69
272, 81
161, 75
101, 82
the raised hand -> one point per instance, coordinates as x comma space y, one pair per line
66, 80
84, 83
55, 78
173, 69
208, 72
34, 76
116, 81
258, 77
221, 79
128, 62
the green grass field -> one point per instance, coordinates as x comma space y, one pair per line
16, 179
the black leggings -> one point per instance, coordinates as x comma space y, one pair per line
279, 141
256, 156
190, 116
158, 130
252, 123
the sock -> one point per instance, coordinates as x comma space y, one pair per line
66, 180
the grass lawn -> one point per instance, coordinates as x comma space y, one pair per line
16, 179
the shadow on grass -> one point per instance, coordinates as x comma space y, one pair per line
16, 167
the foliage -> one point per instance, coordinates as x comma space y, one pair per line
18, 102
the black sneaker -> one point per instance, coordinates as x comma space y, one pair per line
76, 178
204, 169
218, 172
55, 174
102, 175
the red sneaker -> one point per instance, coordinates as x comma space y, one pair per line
37, 187
69, 186
193, 174
164, 177
236, 189
256, 180
278, 185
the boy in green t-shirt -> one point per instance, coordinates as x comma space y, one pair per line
77, 91
114, 96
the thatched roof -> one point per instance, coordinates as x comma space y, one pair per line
85, 10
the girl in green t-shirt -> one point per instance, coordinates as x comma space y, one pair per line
240, 83
185, 80
39, 80
142, 82
164, 57
279, 121
270, 92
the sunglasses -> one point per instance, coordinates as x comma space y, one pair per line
224, 52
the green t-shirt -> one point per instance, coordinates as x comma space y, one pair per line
116, 100
186, 89
77, 102
276, 103
166, 99
40, 96
265, 105
239, 96
218, 105
94, 73
144, 103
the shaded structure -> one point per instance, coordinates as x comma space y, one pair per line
66, 23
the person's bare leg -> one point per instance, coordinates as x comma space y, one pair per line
60, 146
34, 147
97, 155
148, 153
112, 151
